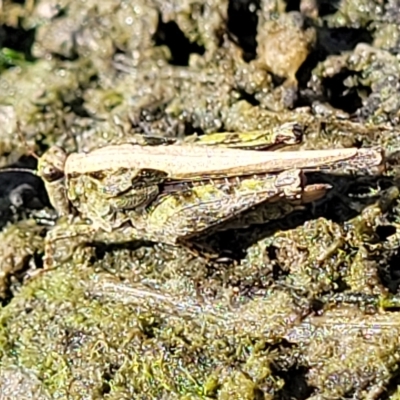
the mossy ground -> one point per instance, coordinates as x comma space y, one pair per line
302, 308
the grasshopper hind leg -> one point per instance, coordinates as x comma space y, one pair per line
207, 244
210, 206
207, 209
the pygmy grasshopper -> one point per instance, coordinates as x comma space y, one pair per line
173, 193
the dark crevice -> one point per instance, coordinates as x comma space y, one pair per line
7, 293
38, 260
242, 25
340, 96
277, 80
108, 377
303, 76
258, 394
292, 5
337, 40
18, 39
278, 272
152, 111
61, 12
316, 306
72, 57
169, 34
391, 277
392, 309
384, 231
248, 97
392, 386
77, 107
94, 79
331, 42
341, 285
296, 385
105, 388
189, 129
327, 7
20, 190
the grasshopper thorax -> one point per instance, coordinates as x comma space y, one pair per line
51, 164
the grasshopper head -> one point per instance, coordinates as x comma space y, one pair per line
51, 164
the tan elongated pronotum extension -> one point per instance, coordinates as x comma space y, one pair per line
191, 161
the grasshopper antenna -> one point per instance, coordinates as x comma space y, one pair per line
17, 169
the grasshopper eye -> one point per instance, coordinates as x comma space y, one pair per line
50, 174
51, 164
